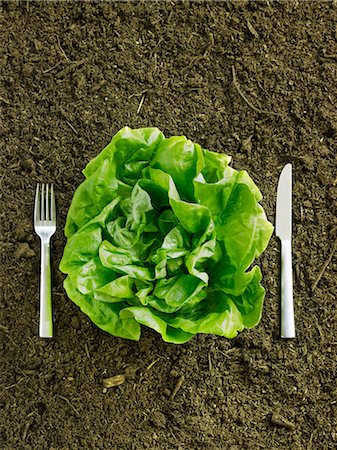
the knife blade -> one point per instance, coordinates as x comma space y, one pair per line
283, 230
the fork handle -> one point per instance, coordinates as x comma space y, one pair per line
46, 313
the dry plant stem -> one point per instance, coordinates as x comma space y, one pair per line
152, 364
63, 53
71, 67
324, 267
113, 381
210, 367
141, 104
29, 423
279, 420
98, 86
177, 386
68, 402
52, 68
72, 127
258, 110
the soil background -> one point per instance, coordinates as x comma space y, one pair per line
73, 74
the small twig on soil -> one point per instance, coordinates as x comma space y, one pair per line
252, 29
319, 328
98, 86
113, 381
258, 110
210, 46
29, 423
157, 45
63, 53
180, 382
29, 371
152, 364
324, 267
68, 402
141, 104
194, 61
25, 431
52, 68
71, 67
87, 351
279, 420
6, 388
30, 420
210, 367
72, 127
227, 352
137, 94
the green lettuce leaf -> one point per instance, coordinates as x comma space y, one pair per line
163, 233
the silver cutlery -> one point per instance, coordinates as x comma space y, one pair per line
45, 227
283, 230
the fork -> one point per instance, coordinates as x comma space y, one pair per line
45, 227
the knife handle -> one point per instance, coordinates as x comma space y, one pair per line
287, 301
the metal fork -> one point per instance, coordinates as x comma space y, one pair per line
45, 227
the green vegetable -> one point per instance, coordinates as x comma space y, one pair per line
163, 233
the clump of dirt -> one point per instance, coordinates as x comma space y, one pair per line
71, 76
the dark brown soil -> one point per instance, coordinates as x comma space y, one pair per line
72, 74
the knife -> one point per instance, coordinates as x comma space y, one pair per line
283, 231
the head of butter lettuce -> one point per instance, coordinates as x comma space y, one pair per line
163, 233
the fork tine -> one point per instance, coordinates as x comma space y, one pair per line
47, 202
37, 204
42, 202
52, 203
